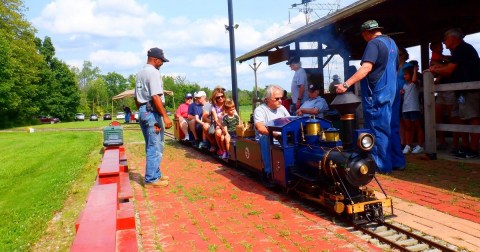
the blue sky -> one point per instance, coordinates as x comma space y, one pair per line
115, 35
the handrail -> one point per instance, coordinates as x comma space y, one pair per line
429, 89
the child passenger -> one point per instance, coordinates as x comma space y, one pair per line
411, 111
230, 121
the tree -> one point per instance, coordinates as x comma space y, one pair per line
19, 66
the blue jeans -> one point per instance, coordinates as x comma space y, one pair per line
127, 117
154, 142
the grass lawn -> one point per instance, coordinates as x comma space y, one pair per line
37, 172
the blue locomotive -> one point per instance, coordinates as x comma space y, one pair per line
309, 158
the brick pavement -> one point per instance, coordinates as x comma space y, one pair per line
209, 207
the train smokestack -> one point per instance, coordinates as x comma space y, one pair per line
346, 104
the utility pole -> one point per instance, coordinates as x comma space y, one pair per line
233, 65
306, 8
255, 67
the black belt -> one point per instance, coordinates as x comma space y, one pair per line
141, 104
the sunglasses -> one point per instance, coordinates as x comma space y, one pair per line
218, 97
277, 99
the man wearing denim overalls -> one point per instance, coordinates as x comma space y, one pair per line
380, 96
149, 97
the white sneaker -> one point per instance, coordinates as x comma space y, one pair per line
417, 149
186, 138
407, 149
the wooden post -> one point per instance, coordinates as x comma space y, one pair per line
429, 115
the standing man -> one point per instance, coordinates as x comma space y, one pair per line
149, 98
380, 97
333, 85
299, 83
463, 66
128, 113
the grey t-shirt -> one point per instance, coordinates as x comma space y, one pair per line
264, 114
148, 83
299, 79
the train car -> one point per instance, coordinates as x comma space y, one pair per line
309, 158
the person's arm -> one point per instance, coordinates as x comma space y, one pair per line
261, 128
311, 111
361, 73
444, 70
301, 90
157, 102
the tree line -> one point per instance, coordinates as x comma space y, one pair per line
34, 82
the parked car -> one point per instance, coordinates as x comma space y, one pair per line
93, 117
120, 115
48, 119
107, 116
79, 117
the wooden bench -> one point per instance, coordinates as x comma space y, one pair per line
97, 225
125, 192
109, 169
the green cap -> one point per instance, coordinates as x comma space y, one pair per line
370, 25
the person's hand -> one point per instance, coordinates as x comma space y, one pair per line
340, 89
299, 112
156, 128
402, 91
168, 122
297, 104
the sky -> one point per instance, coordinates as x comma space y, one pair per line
115, 35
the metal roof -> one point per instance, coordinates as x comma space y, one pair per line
408, 22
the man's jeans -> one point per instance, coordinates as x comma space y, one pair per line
154, 142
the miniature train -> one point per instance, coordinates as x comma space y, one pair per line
309, 158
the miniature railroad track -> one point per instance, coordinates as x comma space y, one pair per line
169, 135
401, 238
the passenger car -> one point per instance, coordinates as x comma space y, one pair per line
93, 117
79, 117
48, 119
120, 115
107, 116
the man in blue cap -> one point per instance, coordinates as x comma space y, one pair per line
378, 73
150, 100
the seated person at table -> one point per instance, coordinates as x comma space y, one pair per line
315, 105
182, 115
270, 109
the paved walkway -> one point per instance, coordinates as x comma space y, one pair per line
209, 207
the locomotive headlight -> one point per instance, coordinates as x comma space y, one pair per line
365, 141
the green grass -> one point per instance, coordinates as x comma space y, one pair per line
245, 112
36, 174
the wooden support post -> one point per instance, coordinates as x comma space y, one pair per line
429, 114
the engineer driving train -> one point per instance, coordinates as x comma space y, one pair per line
270, 109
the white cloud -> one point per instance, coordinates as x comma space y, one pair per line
116, 34
121, 60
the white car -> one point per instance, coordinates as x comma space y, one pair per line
120, 115
79, 117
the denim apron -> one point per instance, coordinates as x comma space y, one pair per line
381, 109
